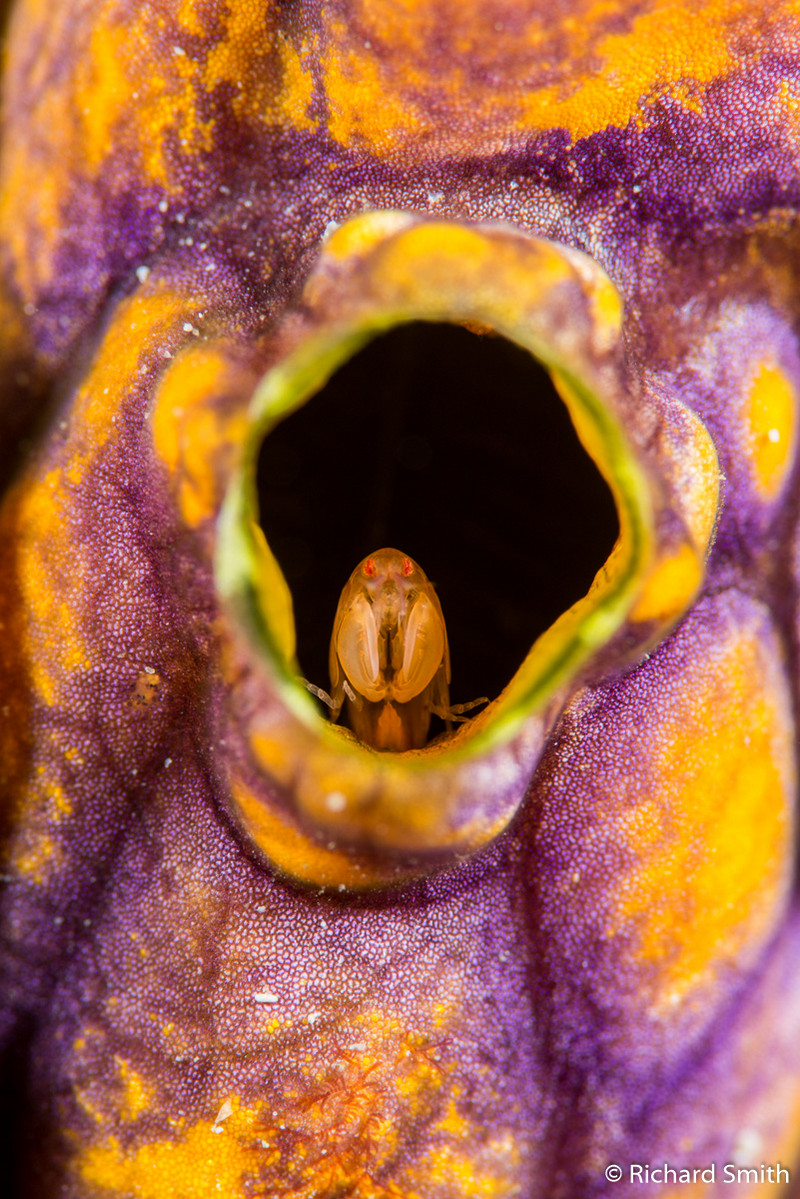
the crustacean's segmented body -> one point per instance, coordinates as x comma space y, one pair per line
389, 659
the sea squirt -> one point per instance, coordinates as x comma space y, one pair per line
243, 951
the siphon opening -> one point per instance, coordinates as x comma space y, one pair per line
453, 447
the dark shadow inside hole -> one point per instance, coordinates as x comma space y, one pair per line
456, 449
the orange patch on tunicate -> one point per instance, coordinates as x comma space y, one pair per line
32, 256
138, 334
190, 380
771, 420
288, 849
103, 89
440, 75
785, 105
47, 805
59, 803
297, 89
44, 807
190, 17
37, 861
457, 259
454, 1123
49, 576
202, 1160
129, 1096
36, 795
163, 116
54, 565
148, 103
339, 1120
152, 109
670, 586
194, 436
271, 77
361, 233
117, 1095
713, 857
660, 54
137, 1093
170, 114
364, 106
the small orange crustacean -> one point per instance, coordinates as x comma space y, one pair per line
389, 658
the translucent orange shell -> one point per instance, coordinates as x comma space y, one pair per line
389, 658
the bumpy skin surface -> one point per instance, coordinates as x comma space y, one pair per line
617, 977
